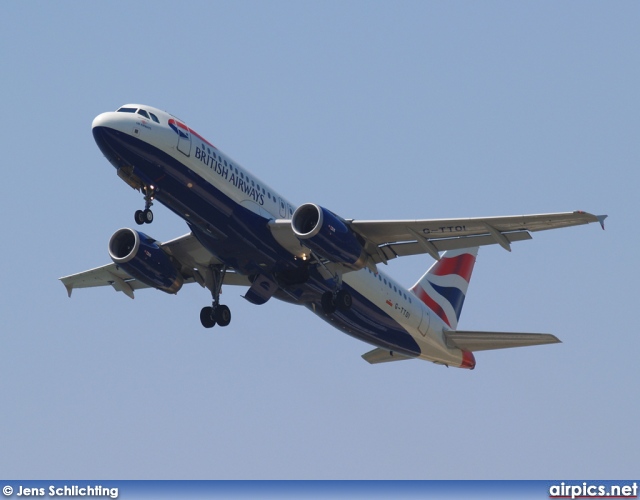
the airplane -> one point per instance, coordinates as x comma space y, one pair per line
242, 232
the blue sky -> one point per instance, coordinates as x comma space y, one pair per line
375, 110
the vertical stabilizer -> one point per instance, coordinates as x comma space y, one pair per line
444, 286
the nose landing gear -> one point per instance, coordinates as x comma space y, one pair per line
143, 217
146, 216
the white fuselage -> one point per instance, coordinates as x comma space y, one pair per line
207, 164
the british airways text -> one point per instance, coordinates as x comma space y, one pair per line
229, 175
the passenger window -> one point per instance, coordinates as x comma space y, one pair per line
154, 117
143, 113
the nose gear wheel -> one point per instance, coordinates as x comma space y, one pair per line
146, 216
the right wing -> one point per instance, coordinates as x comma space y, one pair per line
193, 258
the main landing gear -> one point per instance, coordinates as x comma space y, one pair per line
332, 301
217, 313
337, 299
146, 216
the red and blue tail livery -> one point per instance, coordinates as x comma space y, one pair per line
242, 232
443, 288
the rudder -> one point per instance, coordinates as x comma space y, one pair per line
443, 287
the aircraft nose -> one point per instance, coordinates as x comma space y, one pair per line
104, 120
98, 121
107, 129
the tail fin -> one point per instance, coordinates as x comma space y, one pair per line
444, 286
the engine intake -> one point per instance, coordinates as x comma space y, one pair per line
140, 256
328, 235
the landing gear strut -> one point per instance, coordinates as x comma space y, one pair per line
217, 313
146, 216
338, 299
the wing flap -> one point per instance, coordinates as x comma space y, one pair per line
393, 250
485, 341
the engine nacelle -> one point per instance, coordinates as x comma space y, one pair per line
140, 256
328, 235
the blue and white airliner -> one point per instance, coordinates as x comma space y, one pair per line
243, 232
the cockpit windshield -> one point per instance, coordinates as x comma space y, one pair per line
141, 112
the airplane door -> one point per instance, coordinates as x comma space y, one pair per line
184, 141
283, 208
184, 136
423, 328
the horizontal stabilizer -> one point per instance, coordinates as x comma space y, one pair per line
485, 341
380, 355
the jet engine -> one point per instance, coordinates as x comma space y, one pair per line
328, 235
140, 256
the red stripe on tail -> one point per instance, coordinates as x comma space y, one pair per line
431, 304
462, 265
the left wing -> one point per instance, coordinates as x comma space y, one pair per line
193, 258
390, 239
386, 240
